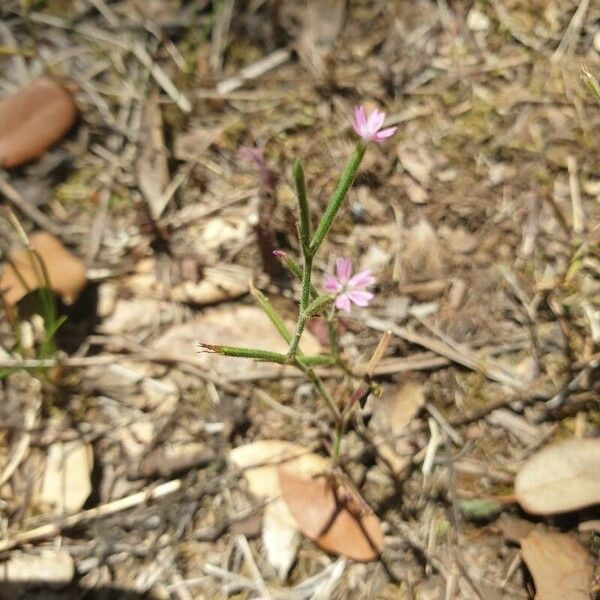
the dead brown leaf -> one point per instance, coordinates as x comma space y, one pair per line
395, 409
560, 478
33, 119
66, 272
332, 515
513, 528
280, 537
560, 566
261, 459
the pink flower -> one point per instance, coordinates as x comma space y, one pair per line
347, 289
369, 128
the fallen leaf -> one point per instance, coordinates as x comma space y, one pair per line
235, 325
151, 165
560, 566
332, 515
49, 566
33, 119
67, 484
560, 478
513, 528
66, 272
260, 460
396, 408
422, 252
280, 536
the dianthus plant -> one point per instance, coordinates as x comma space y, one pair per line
340, 290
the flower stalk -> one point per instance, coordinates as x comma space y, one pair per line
346, 180
342, 289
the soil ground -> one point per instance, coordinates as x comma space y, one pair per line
480, 219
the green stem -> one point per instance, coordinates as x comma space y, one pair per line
240, 352
293, 349
318, 383
303, 212
304, 298
339, 433
296, 270
317, 360
306, 362
306, 282
338, 196
334, 345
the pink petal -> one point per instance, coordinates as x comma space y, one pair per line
331, 284
372, 119
385, 133
343, 302
343, 269
375, 121
362, 280
359, 116
360, 298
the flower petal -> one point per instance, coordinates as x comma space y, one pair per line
359, 298
361, 280
375, 120
331, 284
359, 116
343, 269
378, 122
343, 302
385, 133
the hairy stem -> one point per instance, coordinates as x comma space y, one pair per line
303, 212
338, 196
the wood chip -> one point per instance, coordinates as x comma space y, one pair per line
67, 480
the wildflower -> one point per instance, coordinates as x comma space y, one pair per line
348, 289
369, 128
